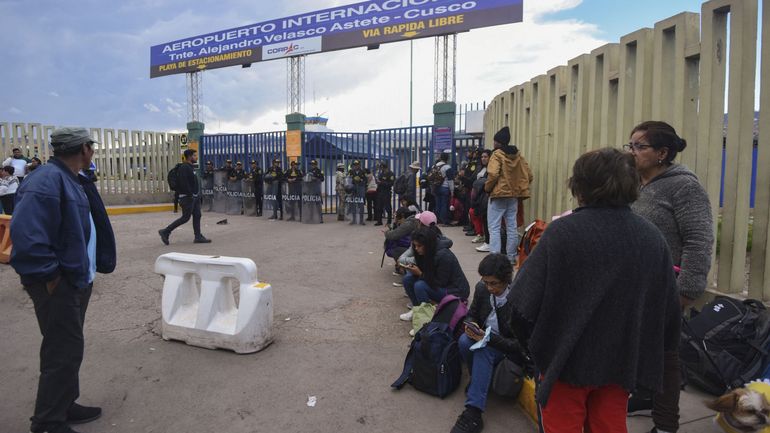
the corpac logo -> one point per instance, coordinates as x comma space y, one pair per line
292, 48
287, 50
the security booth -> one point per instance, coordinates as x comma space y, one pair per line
220, 191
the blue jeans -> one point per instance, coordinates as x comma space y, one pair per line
498, 209
481, 365
419, 291
442, 204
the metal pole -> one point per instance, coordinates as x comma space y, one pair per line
411, 79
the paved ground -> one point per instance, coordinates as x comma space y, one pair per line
337, 337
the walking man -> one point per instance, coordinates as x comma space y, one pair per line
62, 237
187, 187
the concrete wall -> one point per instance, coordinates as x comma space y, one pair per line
676, 71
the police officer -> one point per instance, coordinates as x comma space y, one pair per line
228, 165
358, 177
236, 173
339, 186
316, 174
256, 176
274, 177
294, 179
208, 171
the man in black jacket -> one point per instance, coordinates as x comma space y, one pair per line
385, 181
187, 187
256, 176
62, 237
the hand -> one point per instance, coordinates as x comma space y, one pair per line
470, 332
50, 286
414, 270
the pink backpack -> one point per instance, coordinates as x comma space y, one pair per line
451, 310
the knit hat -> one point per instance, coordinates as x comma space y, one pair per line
426, 218
503, 136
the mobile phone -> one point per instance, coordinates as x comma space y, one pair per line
473, 327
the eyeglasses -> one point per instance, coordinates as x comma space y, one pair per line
636, 147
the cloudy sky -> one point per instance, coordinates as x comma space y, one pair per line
86, 62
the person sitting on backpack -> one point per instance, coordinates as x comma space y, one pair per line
435, 274
424, 219
491, 310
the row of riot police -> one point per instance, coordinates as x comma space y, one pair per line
234, 191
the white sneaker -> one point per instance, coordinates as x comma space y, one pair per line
411, 332
398, 285
406, 317
484, 248
395, 274
478, 239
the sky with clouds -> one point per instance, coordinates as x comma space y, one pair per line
86, 62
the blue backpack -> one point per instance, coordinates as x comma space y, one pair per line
433, 362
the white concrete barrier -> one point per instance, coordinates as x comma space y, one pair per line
207, 315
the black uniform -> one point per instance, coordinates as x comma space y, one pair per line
274, 177
294, 180
256, 176
385, 181
358, 177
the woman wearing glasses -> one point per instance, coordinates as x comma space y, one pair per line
671, 197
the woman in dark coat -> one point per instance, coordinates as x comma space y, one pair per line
437, 272
597, 301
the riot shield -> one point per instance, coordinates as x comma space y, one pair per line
234, 198
220, 191
207, 194
268, 199
292, 201
312, 202
355, 203
249, 199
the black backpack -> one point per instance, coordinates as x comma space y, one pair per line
725, 345
400, 186
433, 362
173, 177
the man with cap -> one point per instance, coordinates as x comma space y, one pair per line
256, 176
385, 181
62, 237
208, 171
187, 187
339, 186
358, 178
274, 178
412, 182
294, 180
317, 175
508, 179
442, 187
237, 174
228, 166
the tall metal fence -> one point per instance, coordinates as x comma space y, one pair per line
131, 166
676, 71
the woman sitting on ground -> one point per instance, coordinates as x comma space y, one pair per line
436, 272
399, 239
490, 310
